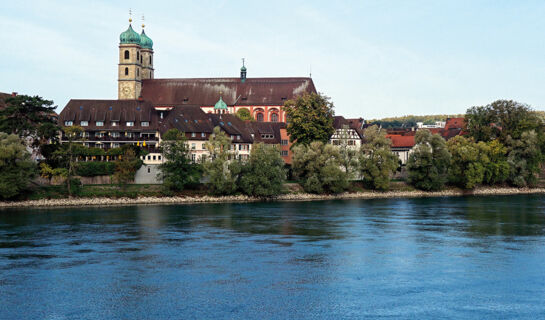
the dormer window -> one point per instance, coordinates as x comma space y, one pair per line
130, 123
238, 136
267, 136
68, 123
203, 134
115, 123
84, 123
100, 123
144, 123
193, 134
115, 134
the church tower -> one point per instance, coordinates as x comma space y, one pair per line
146, 54
130, 65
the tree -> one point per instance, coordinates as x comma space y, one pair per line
377, 162
178, 171
310, 118
264, 173
29, 117
524, 159
348, 153
16, 166
244, 114
500, 119
71, 133
126, 167
319, 169
497, 169
428, 163
222, 174
468, 162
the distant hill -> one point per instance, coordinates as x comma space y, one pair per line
411, 120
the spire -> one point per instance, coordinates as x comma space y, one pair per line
243, 72
130, 16
143, 25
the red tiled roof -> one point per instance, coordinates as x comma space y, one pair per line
455, 123
206, 91
401, 141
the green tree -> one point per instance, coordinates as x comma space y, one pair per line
500, 119
468, 162
428, 163
377, 162
28, 116
497, 169
178, 171
244, 114
263, 175
524, 159
318, 167
222, 173
347, 152
69, 154
16, 166
126, 167
310, 118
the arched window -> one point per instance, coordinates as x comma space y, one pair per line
150, 60
274, 117
126, 54
138, 72
259, 117
126, 71
140, 59
137, 55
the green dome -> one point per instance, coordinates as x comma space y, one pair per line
243, 68
145, 41
220, 105
129, 37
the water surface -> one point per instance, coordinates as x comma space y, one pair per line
455, 258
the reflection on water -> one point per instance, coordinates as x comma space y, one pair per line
474, 257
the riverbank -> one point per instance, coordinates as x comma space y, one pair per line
104, 201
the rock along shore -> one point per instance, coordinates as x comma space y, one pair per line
79, 202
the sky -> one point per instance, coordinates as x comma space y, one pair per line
374, 59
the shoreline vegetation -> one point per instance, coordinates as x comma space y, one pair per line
192, 199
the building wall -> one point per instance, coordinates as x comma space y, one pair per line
267, 111
147, 174
130, 85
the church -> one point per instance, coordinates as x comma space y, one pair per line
262, 97
147, 107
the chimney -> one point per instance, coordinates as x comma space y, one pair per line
14, 94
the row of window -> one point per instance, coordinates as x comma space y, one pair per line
194, 134
118, 135
127, 56
101, 123
154, 157
259, 117
241, 147
137, 72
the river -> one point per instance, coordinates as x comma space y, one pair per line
425, 258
